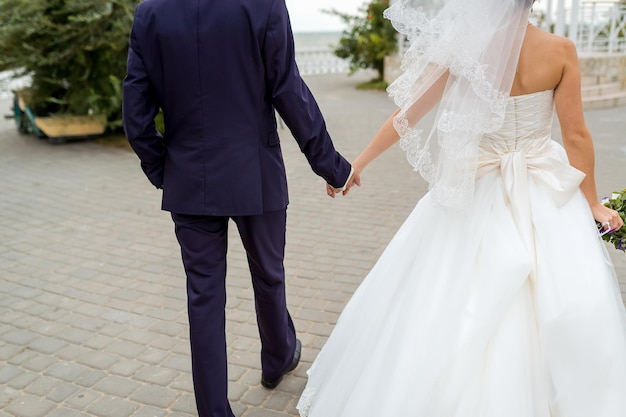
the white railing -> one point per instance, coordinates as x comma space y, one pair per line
595, 26
312, 61
601, 27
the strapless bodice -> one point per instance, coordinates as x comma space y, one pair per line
527, 124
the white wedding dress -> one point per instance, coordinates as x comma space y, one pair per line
508, 309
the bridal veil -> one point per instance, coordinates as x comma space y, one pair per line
462, 54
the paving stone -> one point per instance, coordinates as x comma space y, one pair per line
245, 359
39, 362
42, 385
67, 371
49, 328
82, 399
18, 337
99, 342
8, 395
239, 409
89, 378
66, 412
47, 345
9, 316
251, 378
178, 362
260, 412
75, 335
22, 380
156, 375
113, 407
140, 336
126, 367
236, 391
98, 360
163, 314
61, 392
8, 372
186, 403
255, 396
117, 386
183, 382
149, 411
169, 329
279, 401
91, 313
182, 347
127, 349
155, 396
153, 356
292, 384
27, 321
29, 406
117, 316
113, 329
72, 351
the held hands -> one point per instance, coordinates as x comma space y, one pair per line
355, 179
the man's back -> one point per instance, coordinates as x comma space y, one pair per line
206, 61
219, 69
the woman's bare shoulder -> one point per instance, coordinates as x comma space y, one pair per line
550, 42
544, 58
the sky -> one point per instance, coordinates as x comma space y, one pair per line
307, 16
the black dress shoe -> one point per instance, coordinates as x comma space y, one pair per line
273, 383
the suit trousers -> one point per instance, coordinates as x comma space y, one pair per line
203, 241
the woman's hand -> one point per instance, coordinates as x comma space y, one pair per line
608, 218
355, 179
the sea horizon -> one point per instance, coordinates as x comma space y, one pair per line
308, 40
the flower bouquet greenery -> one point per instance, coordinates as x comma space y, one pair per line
617, 202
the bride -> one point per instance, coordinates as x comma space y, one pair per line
496, 297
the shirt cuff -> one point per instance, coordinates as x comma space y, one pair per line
349, 176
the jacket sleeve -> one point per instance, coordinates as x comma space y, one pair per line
295, 103
139, 108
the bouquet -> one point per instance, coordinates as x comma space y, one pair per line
617, 202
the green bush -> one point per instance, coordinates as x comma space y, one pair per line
73, 50
368, 39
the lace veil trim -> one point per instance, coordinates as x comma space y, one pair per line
475, 44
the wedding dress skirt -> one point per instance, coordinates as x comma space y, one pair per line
509, 309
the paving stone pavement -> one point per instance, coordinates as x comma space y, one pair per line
92, 301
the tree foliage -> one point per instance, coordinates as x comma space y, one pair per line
368, 39
73, 50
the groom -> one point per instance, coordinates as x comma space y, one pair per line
219, 69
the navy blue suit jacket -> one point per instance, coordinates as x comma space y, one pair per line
219, 69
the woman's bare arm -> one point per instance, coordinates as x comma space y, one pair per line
387, 134
577, 139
